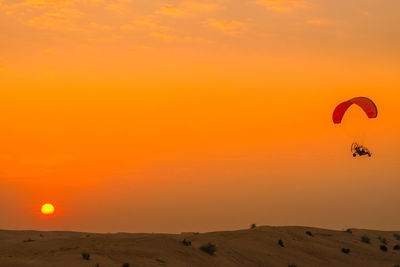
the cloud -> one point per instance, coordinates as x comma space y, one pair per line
119, 6
64, 15
171, 10
318, 21
282, 5
230, 27
186, 8
164, 36
366, 13
49, 51
148, 24
17, 166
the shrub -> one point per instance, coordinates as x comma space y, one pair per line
346, 250
309, 233
349, 231
161, 262
396, 247
186, 242
383, 240
29, 240
253, 226
209, 248
125, 265
365, 239
384, 248
292, 265
397, 236
280, 242
86, 256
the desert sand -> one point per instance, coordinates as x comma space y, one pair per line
251, 247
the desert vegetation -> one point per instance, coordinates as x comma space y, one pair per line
365, 239
186, 242
346, 250
383, 240
85, 256
209, 248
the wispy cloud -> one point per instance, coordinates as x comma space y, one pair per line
17, 166
63, 16
171, 10
186, 8
282, 5
230, 27
146, 24
49, 51
164, 36
60, 14
318, 21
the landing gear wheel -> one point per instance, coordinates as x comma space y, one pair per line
353, 147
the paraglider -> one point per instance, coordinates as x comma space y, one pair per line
359, 150
370, 109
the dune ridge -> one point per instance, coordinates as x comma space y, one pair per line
261, 246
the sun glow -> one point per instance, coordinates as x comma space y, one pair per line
47, 209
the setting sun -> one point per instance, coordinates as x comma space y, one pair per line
47, 209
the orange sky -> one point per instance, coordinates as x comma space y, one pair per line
170, 116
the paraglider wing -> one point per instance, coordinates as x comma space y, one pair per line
366, 104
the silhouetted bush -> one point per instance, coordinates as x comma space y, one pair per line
383, 248
253, 226
397, 236
280, 242
292, 265
396, 247
86, 256
186, 242
29, 240
365, 239
125, 265
346, 250
161, 262
209, 248
349, 231
309, 233
383, 240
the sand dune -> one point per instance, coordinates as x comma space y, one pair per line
252, 247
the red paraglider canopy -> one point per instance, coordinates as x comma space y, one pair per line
366, 104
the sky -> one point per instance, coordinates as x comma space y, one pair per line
173, 116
